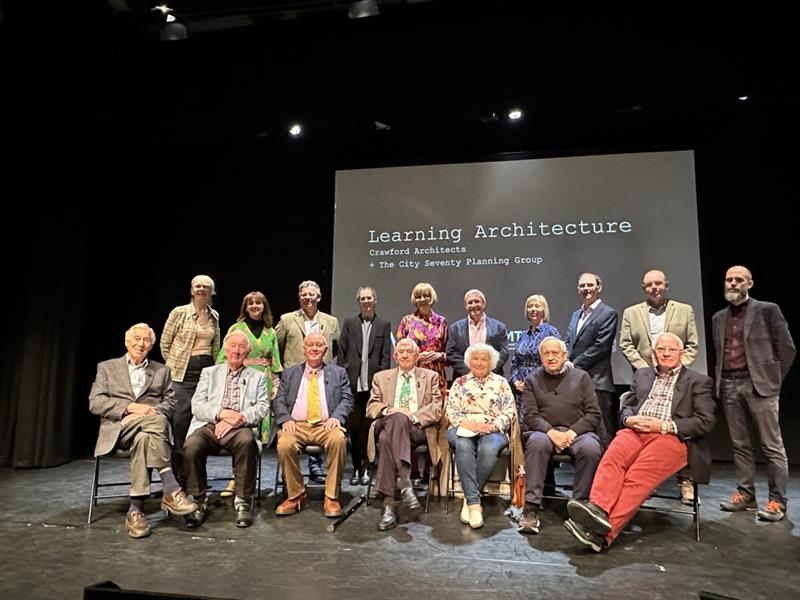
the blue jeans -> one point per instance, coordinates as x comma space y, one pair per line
475, 459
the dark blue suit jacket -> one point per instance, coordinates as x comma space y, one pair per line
768, 346
458, 342
337, 392
591, 349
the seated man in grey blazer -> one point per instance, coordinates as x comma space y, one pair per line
562, 415
227, 408
313, 401
476, 327
407, 406
134, 398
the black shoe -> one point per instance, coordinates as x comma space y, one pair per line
365, 477
585, 536
388, 519
410, 501
196, 518
315, 471
244, 516
590, 516
355, 479
529, 521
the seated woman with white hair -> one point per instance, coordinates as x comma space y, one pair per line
480, 409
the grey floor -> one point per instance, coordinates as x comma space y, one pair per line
49, 551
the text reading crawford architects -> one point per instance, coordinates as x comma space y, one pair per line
437, 247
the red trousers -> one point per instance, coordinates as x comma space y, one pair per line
634, 465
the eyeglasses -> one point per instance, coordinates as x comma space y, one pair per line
663, 350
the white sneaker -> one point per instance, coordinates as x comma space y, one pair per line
465, 514
476, 518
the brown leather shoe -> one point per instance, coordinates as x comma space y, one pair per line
137, 524
292, 505
178, 504
332, 507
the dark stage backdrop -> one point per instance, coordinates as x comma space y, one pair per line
519, 227
129, 167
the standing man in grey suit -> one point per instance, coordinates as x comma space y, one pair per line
754, 354
292, 330
313, 402
476, 327
365, 347
133, 397
590, 340
227, 408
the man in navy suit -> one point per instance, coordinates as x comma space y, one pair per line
754, 353
313, 401
365, 347
477, 327
590, 339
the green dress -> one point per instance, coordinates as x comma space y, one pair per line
264, 354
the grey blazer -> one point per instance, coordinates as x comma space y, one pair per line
590, 349
338, 396
207, 399
112, 392
768, 346
692, 410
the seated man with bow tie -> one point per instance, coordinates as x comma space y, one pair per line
407, 406
227, 408
313, 401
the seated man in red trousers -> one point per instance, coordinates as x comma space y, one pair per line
664, 422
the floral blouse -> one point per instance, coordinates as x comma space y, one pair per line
487, 400
429, 334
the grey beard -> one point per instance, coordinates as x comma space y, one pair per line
735, 296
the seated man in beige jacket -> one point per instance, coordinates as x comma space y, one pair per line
406, 405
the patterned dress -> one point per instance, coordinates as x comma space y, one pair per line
429, 334
265, 350
526, 359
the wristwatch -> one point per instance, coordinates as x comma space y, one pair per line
665, 427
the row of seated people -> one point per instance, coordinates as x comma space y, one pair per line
665, 420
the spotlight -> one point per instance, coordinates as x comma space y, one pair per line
295, 130
170, 30
744, 98
382, 126
514, 114
362, 8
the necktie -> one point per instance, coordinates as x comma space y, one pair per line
313, 411
405, 391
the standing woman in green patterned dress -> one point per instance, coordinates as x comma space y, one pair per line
255, 320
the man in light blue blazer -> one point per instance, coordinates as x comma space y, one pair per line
754, 353
590, 340
227, 408
313, 402
476, 327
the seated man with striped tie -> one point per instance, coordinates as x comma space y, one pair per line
313, 401
406, 405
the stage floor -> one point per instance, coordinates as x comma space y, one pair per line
50, 552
